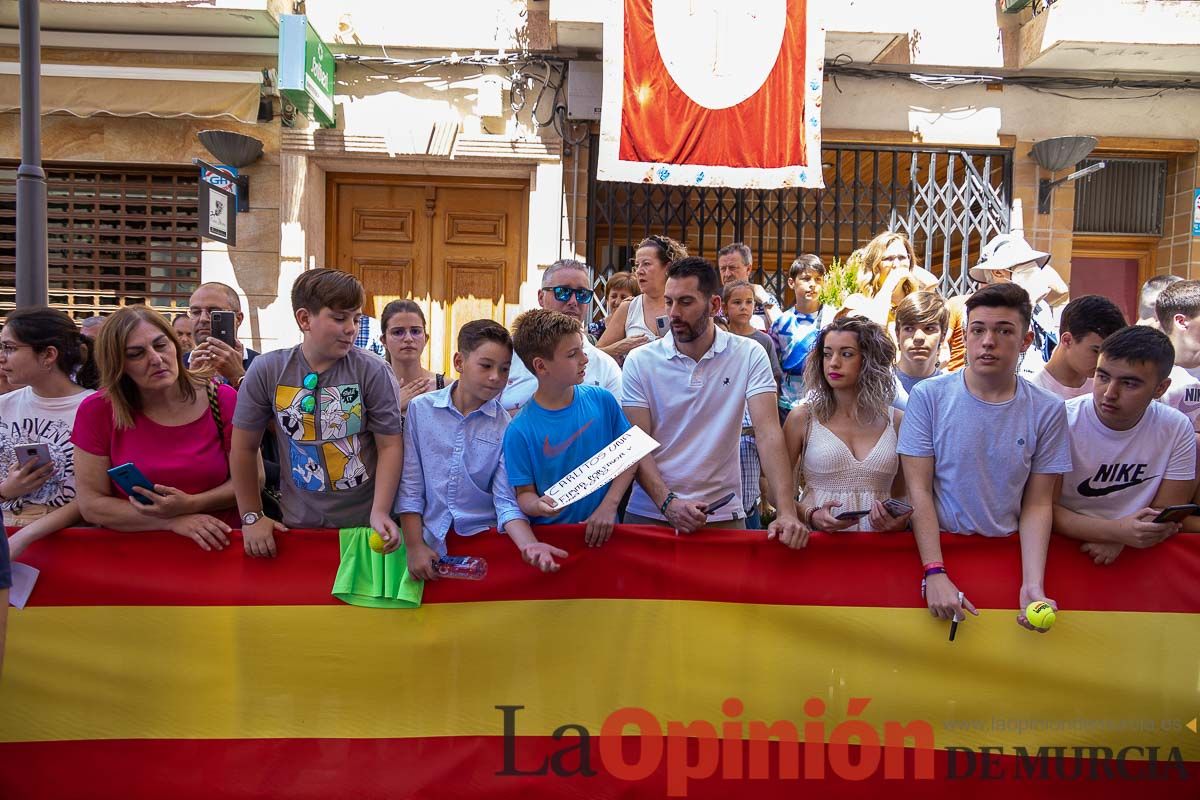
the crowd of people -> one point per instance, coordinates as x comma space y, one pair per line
894, 409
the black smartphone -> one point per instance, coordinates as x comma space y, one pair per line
128, 476
663, 324
897, 508
1177, 513
223, 327
722, 502
38, 453
845, 515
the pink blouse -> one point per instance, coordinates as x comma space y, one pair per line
188, 457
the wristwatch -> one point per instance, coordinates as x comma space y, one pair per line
251, 517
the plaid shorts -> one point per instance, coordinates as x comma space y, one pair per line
751, 472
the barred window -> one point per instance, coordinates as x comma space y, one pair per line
117, 237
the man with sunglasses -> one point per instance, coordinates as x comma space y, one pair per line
566, 288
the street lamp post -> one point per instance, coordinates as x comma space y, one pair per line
32, 256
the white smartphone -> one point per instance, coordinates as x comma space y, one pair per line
39, 453
663, 324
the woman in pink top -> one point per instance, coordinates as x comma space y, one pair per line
171, 425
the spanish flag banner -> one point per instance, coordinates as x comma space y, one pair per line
712, 93
714, 665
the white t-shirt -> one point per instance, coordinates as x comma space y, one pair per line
1042, 378
696, 412
602, 370
1117, 473
1184, 395
26, 418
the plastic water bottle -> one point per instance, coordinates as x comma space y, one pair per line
470, 568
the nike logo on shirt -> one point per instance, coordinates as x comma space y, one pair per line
554, 451
1087, 490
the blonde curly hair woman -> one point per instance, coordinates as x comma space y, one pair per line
842, 438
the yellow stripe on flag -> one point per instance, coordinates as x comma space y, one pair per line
1097, 679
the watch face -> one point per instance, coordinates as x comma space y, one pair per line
251, 518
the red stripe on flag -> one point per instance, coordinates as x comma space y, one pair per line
445, 767
97, 567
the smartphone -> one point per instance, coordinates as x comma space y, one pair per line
845, 515
37, 453
128, 476
663, 324
222, 327
719, 503
897, 508
1177, 513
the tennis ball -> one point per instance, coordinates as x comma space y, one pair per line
1040, 615
376, 543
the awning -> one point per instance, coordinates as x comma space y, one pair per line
86, 90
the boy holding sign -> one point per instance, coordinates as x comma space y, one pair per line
564, 425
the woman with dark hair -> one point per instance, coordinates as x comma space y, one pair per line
404, 338
172, 425
842, 438
635, 322
40, 349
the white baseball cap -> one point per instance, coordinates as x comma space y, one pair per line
1006, 251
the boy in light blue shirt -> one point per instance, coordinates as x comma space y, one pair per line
982, 450
564, 424
454, 473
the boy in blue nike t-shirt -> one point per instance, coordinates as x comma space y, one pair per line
564, 425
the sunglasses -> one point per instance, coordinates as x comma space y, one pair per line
309, 403
563, 293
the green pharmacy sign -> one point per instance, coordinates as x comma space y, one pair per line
306, 69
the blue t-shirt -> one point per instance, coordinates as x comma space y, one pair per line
983, 452
541, 447
797, 335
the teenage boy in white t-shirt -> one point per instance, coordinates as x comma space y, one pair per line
1086, 322
689, 390
1000, 478
1131, 457
1178, 309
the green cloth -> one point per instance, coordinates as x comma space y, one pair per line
372, 580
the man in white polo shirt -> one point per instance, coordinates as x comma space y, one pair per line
689, 390
566, 288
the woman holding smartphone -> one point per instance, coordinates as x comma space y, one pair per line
842, 438
40, 350
171, 425
635, 322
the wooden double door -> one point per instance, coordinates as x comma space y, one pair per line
453, 245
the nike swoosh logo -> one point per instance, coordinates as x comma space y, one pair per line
1087, 490
554, 451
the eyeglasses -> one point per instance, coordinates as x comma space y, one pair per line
563, 294
196, 312
310, 402
406, 333
7, 348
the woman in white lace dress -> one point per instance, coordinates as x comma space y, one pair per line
842, 438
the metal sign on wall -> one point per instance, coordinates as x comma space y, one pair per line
711, 93
306, 69
218, 214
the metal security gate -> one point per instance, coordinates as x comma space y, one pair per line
948, 201
117, 237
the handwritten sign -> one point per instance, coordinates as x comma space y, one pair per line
599, 470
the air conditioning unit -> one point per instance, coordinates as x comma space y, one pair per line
585, 84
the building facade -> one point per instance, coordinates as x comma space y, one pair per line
461, 161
